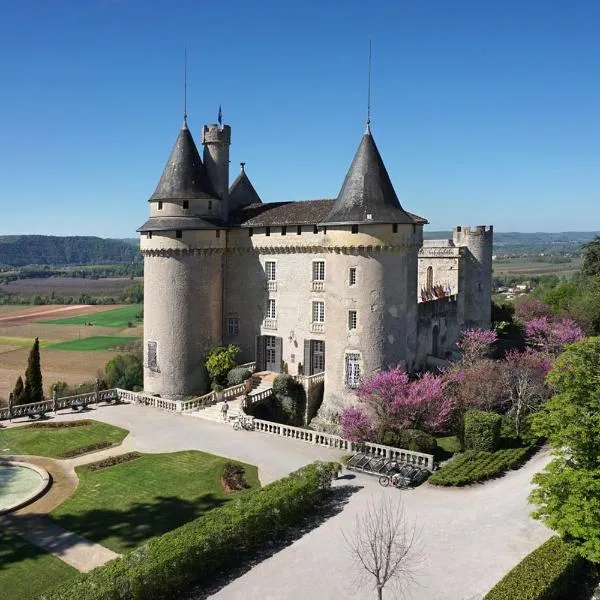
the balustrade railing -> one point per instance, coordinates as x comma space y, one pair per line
147, 400
317, 327
258, 397
251, 366
309, 380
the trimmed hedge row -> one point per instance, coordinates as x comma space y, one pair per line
238, 375
550, 572
85, 449
59, 424
410, 439
482, 430
473, 466
111, 461
167, 566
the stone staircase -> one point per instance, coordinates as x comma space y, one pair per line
213, 413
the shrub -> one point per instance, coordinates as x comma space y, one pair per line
482, 430
237, 376
219, 361
473, 466
233, 478
168, 565
112, 460
290, 399
410, 439
549, 573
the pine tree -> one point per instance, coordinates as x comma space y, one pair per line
34, 391
19, 392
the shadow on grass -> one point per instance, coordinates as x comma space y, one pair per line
333, 505
14, 549
127, 529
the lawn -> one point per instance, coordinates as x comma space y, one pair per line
124, 505
52, 442
117, 317
98, 342
26, 571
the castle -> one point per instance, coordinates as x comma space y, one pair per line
344, 286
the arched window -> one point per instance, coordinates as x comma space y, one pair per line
435, 340
429, 286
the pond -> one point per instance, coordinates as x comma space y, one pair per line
20, 483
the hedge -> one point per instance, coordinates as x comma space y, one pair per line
410, 439
169, 565
482, 430
238, 375
549, 573
473, 466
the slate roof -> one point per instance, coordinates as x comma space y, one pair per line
367, 194
172, 223
302, 212
242, 192
184, 176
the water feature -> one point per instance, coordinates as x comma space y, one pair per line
20, 483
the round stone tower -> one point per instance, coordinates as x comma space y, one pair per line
216, 140
183, 253
476, 303
374, 245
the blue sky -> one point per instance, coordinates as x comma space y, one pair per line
484, 112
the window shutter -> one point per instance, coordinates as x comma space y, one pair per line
307, 356
324, 363
260, 353
278, 353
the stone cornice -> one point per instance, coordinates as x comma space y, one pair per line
167, 252
433, 252
318, 249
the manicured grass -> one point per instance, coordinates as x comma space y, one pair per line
447, 446
53, 442
26, 570
473, 466
126, 504
118, 317
99, 342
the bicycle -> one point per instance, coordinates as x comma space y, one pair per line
246, 423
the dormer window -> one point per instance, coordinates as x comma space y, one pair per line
210, 205
395, 228
159, 205
186, 204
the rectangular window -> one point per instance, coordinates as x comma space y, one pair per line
395, 228
299, 230
283, 230
178, 233
352, 369
250, 232
352, 276
319, 270
318, 356
318, 312
268, 231
186, 204
149, 235
160, 206
315, 229
210, 205
354, 228
233, 326
325, 229
270, 270
351, 319
218, 233
152, 355
271, 313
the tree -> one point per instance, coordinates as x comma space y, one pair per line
33, 390
383, 545
591, 258
569, 488
125, 371
525, 375
219, 361
551, 336
355, 425
18, 392
528, 308
476, 344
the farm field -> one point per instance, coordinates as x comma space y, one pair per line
525, 267
70, 285
116, 317
71, 352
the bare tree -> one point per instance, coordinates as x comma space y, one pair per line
383, 544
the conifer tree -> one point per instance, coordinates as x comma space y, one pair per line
34, 391
19, 392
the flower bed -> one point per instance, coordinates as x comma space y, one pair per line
59, 424
85, 449
473, 466
112, 460
233, 478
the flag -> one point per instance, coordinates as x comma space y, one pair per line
220, 117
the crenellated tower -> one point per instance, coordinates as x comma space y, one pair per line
475, 306
216, 140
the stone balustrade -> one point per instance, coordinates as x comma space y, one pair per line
147, 400
419, 459
251, 366
309, 380
259, 397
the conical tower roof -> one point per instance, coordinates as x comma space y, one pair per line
184, 176
242, 192
367, 194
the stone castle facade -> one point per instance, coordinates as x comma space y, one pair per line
344, 286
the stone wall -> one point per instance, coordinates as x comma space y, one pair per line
438, 329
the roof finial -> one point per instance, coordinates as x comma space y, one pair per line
243, 164
185, 87
369, 92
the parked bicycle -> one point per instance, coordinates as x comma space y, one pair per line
243, 422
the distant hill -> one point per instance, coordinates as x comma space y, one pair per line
22, 250
531, 243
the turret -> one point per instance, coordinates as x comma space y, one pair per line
216, 140
475, 304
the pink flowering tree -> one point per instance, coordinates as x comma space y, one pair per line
552, 336
525, 377
476, 344
530, 308
390, 400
